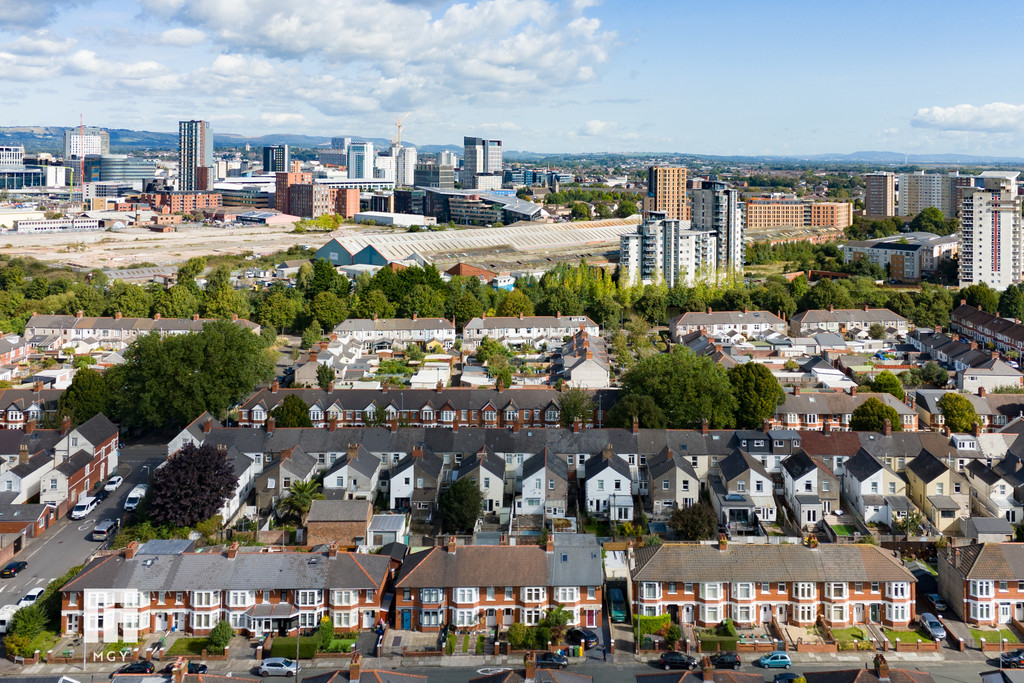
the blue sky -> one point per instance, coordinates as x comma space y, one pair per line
542, 75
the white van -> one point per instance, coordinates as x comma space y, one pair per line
84, 507
6, 612
135, 497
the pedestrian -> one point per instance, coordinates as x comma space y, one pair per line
605, 653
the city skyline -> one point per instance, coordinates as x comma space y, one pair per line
542, 75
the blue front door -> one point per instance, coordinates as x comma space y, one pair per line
406, 620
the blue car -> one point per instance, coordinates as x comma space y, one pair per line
775, 660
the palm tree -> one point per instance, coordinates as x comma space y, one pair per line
301, 495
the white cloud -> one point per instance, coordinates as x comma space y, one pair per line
20, 14
39, 43
596, 127
996, 117
182, 37
282, 118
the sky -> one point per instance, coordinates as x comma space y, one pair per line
688, 76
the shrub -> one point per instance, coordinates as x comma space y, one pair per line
541, 637
28, 622
518, 634
326, 632
220, 635
728, 628
649, 625
672, 635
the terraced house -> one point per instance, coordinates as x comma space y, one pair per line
752, 584
452, 408
983, 583
165, 585
498, 585
69, 329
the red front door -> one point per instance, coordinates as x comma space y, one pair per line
591, 620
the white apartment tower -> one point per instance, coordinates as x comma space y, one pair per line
80, 142
360, 161
482, 156
195, 156
12, 157
663, 249
715, 207
405, 166
991, 232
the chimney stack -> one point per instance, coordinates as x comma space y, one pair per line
995, 354
179, 670
332, 549
440, 386
286, 454
576, 426
312, 355
707, 670
65, 425
976, 429
766, 426
723, 542
131, 550
881, 667
636, 425
79, 314
156, 316
271, 422
417, 451
354, 667
37, 387
531, 667
23, 454
195, 316
330, 387
887, 429
275, 386
853, 391
831, 308
233, 550
451, 544
208, 425
117, 315
704, 427
549, 547
30, 426
982, 391
332, 424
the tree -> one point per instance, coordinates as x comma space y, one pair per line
1011, 302
958, 412
933, 373
179, 301
459, 506
191, 269
580, 212
791, 365
932, 220
625, 209
373, 304
301, 495
466, 308
695, 523
515, 303
169, 381
191, 487
293, 412
500, 370
981, 296
220, 635
85, 398
278, 310
575, 404
888, 383
688, 388
826, 293
129, 300
870, 416
489, 348
644, 408
557, 619
518, 635
757, 393
324, 376
328, 309
312, 334
876, 331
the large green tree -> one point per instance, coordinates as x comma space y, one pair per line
870, 416
459, 506
695, 523
293, 412
888, 383
958, 412
301, 495
644, 408
86, 397
514, 303
981, 296
575, 404
688, 388
758, 394
169, 381
190, 487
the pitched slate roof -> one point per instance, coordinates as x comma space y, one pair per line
862, 466
367, 676
97, 429
868, 675
247, 571
546, 460
484, 458
739, 462
927, 467
608, 460
799, 464
339, 511
667, 459
999, 561
836, 403
392, 325
740, 562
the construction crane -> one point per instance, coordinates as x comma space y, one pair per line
398, 123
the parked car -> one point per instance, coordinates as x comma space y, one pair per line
84, 507
1014, 659
105, 529
932, 626
551, 660
617, 606
786, 677
31, 597
278, 666
936, 601
113, 483
135, 497
725, 660
139, 667
193, 668
677, 660
775, 660
12, 569
100, 495
582, 636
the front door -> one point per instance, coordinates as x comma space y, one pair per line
687, 613
766, 613
179, 621
876, 613
72, 623
406, 620
780, 613
858, 613
1004, 612
161, 621
1020, 610
509, 617
591, 618
492, 619
367, 619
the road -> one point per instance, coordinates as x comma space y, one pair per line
67, 543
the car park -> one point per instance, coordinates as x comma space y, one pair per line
775, 660
677, 660
139, 667
582, 636
84, 507
12, 569
31, 597
936, 601
1014, 659
725, 660
932, 626
278, 666
113, 483
551, 660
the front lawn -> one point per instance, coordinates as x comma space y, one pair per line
340, 645
194, 646
902, 636
994, 636
597, 528
285, 647
849, 633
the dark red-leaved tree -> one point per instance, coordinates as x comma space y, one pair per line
191, 487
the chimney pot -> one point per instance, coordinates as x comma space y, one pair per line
131, 550
887, 429
156, 316
271, 422
451, 544
332, 549
195, 316
233, 550
636, 425
275, 386
117, 315
704, 428
354, 666
982, 392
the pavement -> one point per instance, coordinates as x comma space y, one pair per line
67, 543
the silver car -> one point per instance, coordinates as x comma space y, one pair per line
278, 666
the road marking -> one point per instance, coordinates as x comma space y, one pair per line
3, 588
